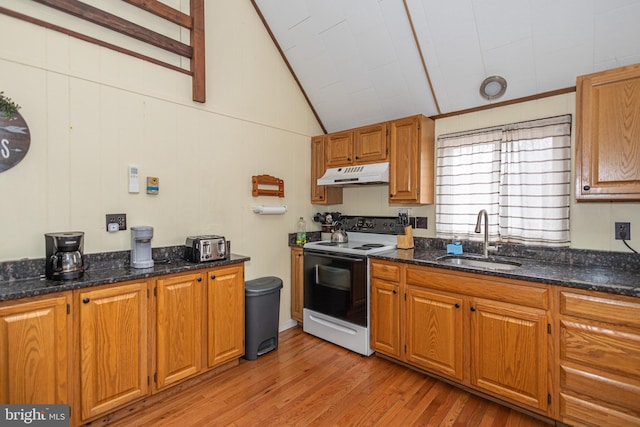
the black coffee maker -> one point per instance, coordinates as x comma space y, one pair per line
64, 259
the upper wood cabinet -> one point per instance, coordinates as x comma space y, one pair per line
35, 339
371, 144
608, 135
411, 171
367, 144
339, 149
113, 353
321, 194
407, 144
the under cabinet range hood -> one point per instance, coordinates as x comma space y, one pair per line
374, 173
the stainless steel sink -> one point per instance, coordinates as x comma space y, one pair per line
486, 263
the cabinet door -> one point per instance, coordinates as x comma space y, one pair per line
180, 309
321, 194
411, 160
371, 144
385, 317
113, 346
509, 351
339, 149
607, 139
297, 283
225, 314
34, 351
434, 331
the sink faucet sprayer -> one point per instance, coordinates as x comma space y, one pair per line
483, 213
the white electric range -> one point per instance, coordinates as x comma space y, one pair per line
336, 282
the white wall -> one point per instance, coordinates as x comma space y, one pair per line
591, 223
92, 112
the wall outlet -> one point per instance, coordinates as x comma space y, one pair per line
120, 219
421, 222
623, 231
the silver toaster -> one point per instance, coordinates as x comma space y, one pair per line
205, 248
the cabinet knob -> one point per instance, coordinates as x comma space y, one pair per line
86, 300
357, 157
199, 279
457, 305
586, 188
213, 276
473, 309
321, 197
348, 159
395, 292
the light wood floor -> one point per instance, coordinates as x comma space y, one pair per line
309, 382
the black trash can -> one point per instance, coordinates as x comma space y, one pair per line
261, 315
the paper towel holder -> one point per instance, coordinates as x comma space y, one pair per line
269, 209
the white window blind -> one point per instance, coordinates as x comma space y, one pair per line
519, 173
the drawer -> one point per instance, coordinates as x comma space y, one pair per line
596, 306
612, 350
385, 271
589, 413
601, 386
481, 286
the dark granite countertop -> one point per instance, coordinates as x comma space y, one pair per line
605, 279
20, 279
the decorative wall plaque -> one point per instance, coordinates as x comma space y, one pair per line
14, 140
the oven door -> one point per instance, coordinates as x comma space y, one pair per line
335, 284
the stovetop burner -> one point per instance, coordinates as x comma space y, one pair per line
328, 243
368, 246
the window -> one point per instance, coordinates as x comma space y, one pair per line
519, 173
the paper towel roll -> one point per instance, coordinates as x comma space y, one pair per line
269, 209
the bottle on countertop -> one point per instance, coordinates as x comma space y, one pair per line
301, 234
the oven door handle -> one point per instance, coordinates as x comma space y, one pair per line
343, 258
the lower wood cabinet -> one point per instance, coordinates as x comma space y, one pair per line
297, 284
434, 331
599, 358
100, 348
113, 352
509, 351
386, 285
180, 310
225, 314
35, 350
487, 333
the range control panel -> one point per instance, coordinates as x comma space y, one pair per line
370, 224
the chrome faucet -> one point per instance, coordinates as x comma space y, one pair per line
483, 213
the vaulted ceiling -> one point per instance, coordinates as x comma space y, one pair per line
367, 61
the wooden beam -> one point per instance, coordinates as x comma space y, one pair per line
198, 68
505, 103
88, 39
120, 25
163, 11
424, 64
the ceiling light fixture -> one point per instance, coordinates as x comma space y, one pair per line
493, 87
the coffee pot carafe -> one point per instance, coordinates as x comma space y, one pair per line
64, 259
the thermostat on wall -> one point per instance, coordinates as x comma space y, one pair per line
134, 181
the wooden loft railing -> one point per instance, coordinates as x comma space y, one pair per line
194, 22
